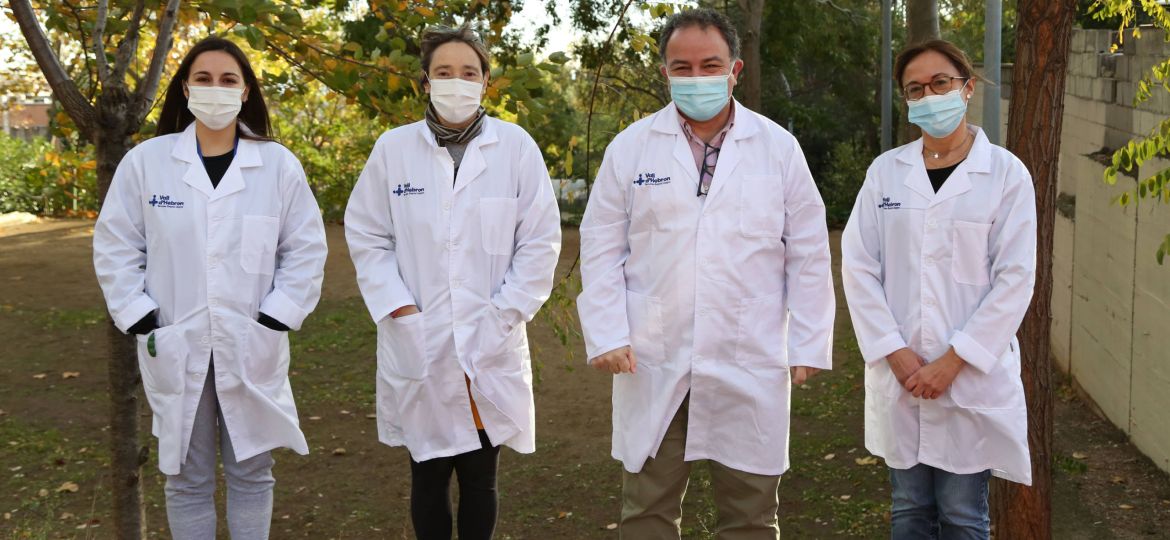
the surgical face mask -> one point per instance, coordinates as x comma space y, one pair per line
215, 106
456, 100
939, 115
700, 98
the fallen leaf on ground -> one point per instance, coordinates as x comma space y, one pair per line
339, 451
846, 497
1117, 480
70, 374
563, 515
43, 493
868, 460
66, 515
829, 456
372, 416
1080, 455
314, 418
40, 376
1125, 506
611, 526
71, 487
343, 411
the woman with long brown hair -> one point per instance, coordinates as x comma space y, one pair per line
209, 248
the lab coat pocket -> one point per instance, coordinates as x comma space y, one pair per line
1000, 389
761, 205
266, 357
402, 349
498, 224
969, 262
258, 239
647, 332
163, 364
760, 336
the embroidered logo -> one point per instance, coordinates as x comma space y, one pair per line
164, 201
651, 179
406, 189
887, 205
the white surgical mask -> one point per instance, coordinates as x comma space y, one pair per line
215, 106
700, 98
456, 100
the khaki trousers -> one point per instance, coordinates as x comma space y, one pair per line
745, 503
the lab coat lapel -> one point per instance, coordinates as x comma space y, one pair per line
978, 162
666, 122
474, 163
746, 125
186, 151
916, 179
247, 155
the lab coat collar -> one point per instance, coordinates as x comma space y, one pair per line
247, 155
473, 163
747, 124
978, 162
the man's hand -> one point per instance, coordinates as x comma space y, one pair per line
404, 311
934, 378
620, 360
802, 373
904, 362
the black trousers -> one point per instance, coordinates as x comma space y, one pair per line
430, 497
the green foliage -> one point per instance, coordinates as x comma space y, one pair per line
38, 179
1130, 158
843, 178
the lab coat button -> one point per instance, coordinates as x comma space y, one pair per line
446, 205
205, 340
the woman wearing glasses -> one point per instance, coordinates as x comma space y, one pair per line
938, 262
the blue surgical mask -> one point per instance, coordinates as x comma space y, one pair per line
700, 98
939, 115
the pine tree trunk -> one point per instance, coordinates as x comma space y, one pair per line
1044, 29
921, 21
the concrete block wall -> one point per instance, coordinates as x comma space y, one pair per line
1110, 299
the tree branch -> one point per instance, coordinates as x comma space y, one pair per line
162, 45
626, 85
89, 71
99, 44
64, 89
335, 55
128, 48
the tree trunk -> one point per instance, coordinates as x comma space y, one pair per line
127, 454
921, 21
1036, 112
753, 15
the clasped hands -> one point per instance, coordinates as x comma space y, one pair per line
923, 380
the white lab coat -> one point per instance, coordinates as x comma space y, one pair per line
717, 296
476, 254
209, 260
932, 271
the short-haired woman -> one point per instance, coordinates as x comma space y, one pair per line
454, 230
938, 260
209, 248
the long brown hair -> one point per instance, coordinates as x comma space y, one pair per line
956, 56
175, 117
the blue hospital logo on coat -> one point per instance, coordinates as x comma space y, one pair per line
406, 189
651, 179
164, 201
887, 205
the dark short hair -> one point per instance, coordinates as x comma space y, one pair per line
956, 55
703, 18
436, 36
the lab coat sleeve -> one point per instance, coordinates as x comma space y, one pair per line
300, 252
369, 231
605, 246
1012, 250
861, 274
529, 279
808, 274
119, 248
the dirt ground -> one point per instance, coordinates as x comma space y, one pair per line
53, 422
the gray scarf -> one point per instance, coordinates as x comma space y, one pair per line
446, 136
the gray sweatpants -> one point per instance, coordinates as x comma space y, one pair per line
191, 493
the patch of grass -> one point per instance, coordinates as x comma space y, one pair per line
1070, 465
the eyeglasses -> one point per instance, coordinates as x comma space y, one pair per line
707, 170
940, 84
